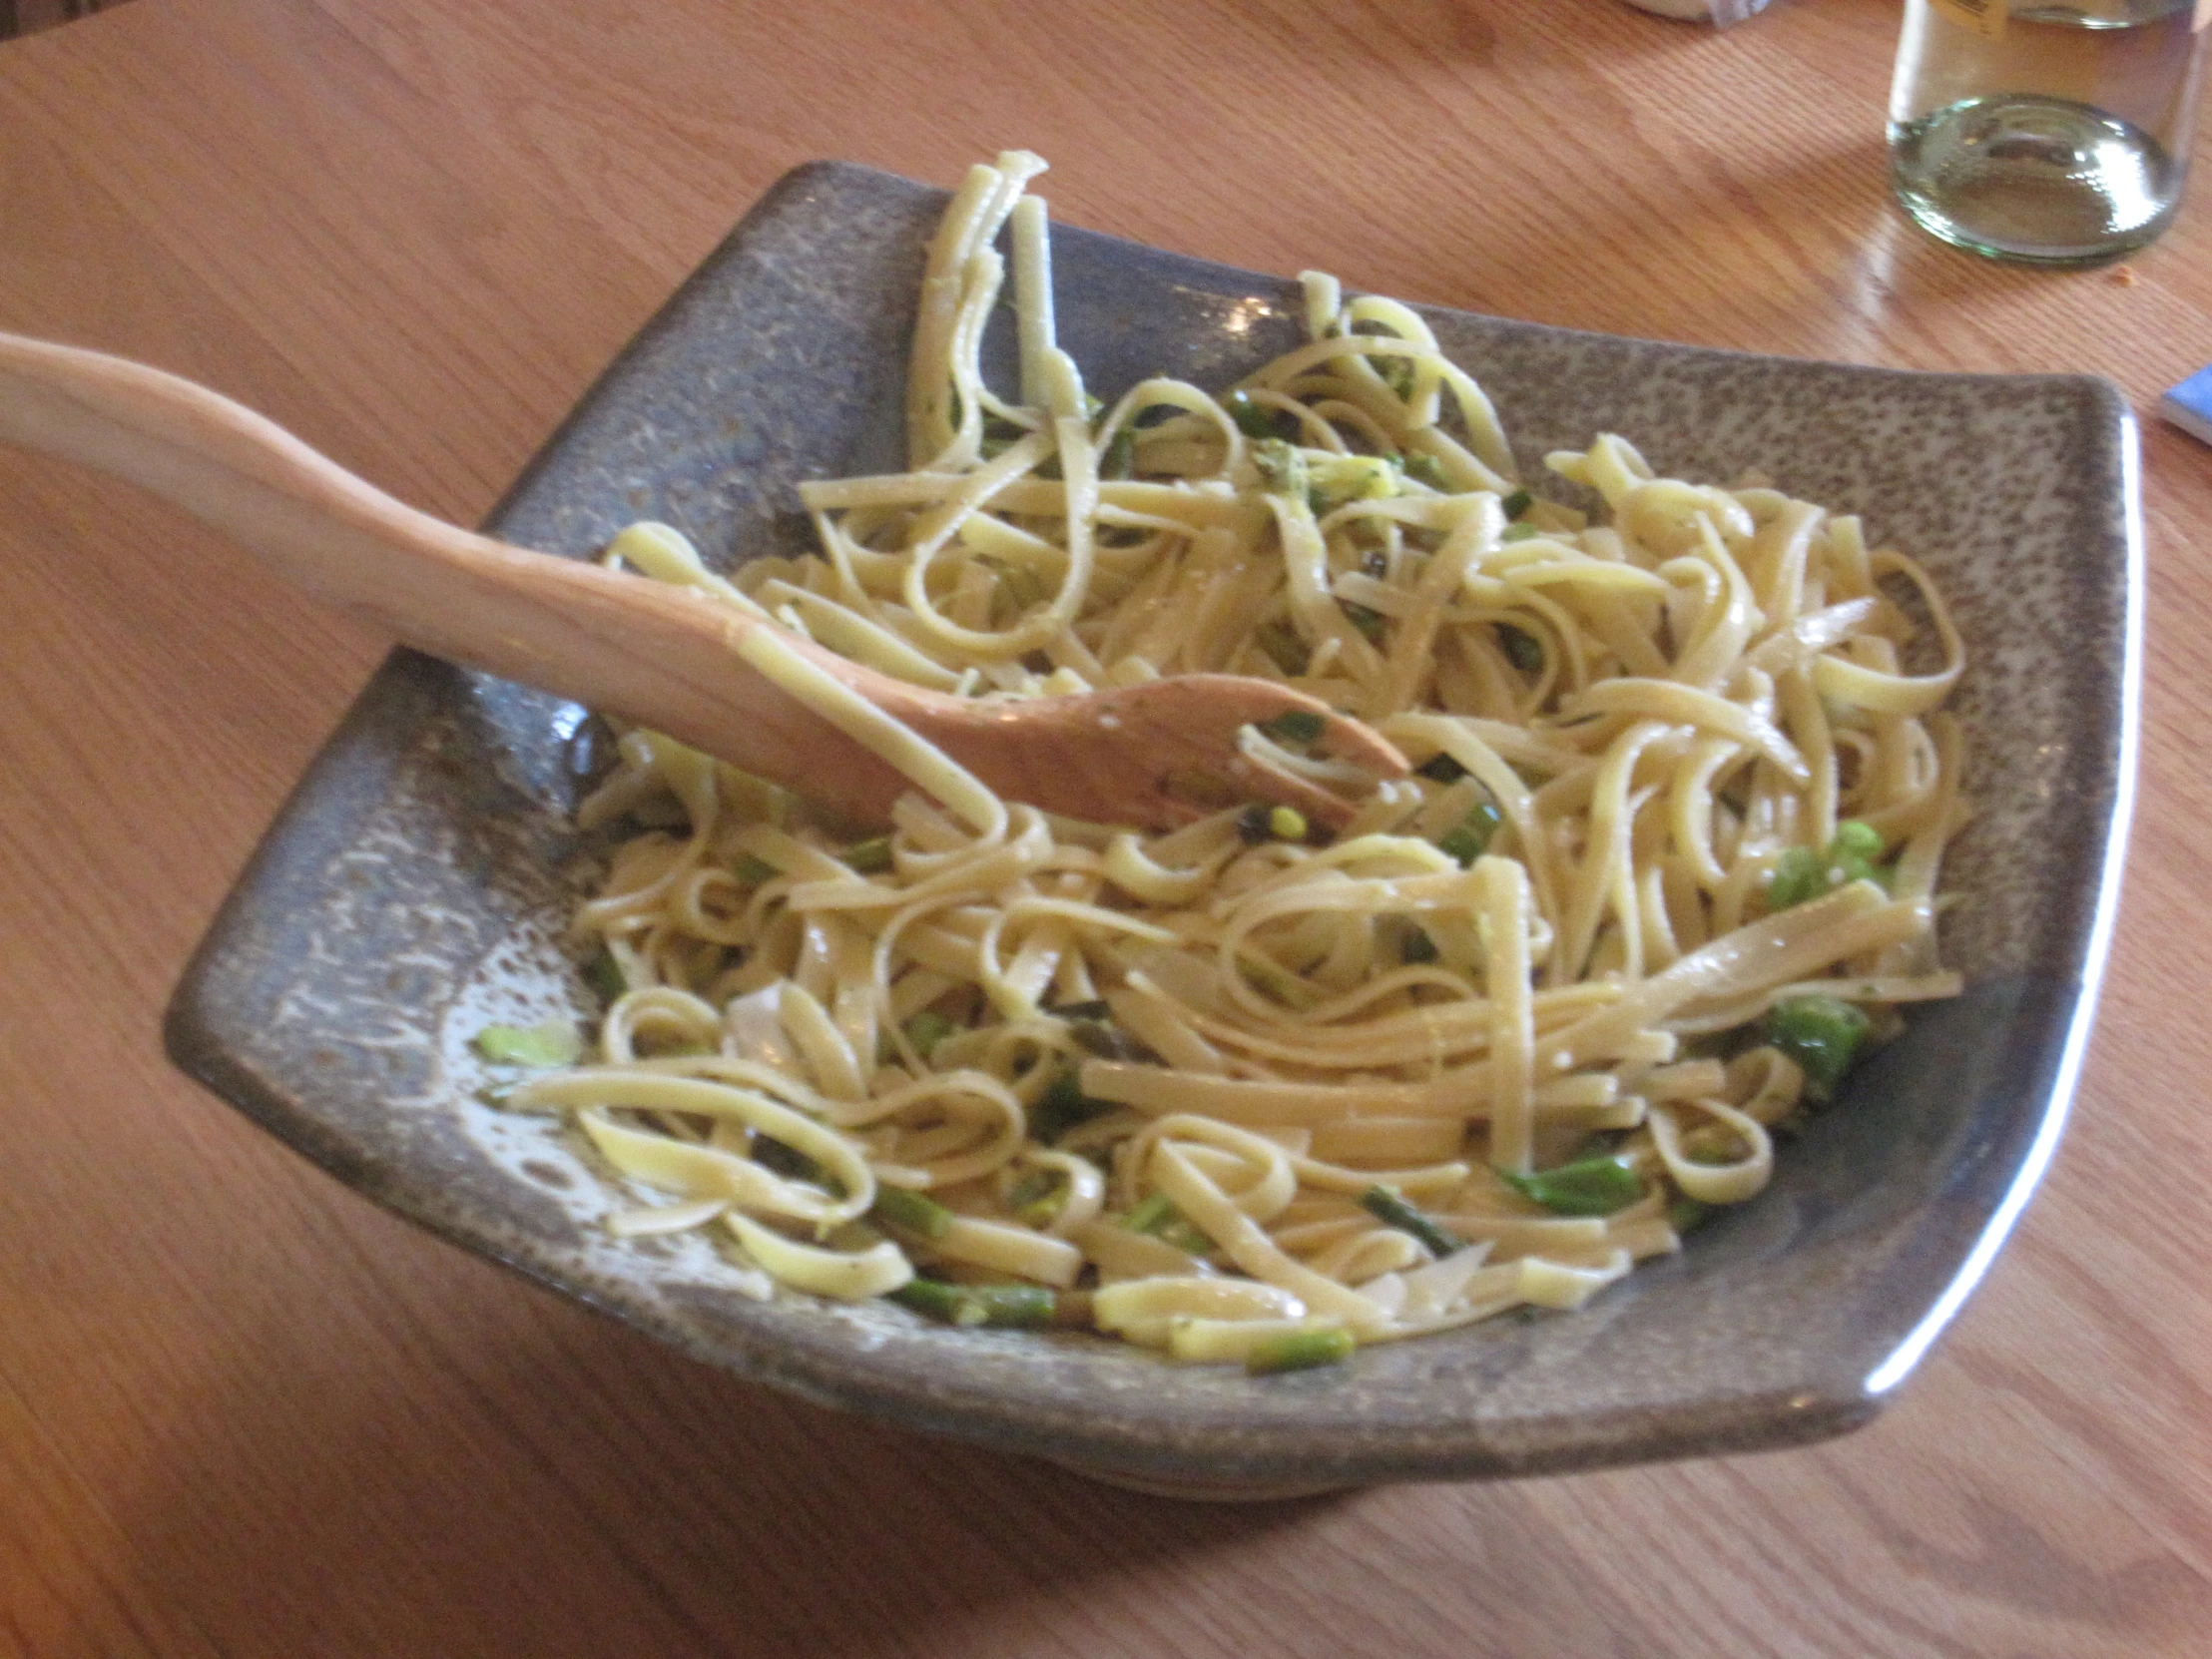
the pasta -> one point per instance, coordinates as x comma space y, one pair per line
1669, 857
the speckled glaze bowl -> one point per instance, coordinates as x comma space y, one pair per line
418, 882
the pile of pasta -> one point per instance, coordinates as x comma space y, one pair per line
1244, 1091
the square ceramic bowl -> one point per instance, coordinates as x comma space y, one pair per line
418, 884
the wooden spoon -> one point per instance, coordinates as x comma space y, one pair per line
666, 656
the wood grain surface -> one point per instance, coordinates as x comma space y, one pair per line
243, 1413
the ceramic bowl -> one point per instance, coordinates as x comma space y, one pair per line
418, 884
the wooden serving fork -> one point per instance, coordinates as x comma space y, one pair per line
671, 658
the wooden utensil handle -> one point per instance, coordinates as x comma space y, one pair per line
615, 642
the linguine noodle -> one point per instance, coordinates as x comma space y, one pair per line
1670, 852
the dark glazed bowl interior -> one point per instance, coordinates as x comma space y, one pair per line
418, 882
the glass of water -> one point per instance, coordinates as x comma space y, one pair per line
2052, 133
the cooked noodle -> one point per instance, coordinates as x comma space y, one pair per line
1222, 1089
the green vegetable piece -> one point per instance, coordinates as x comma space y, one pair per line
1799, 874
1429, 470
1151, 1214
1334, 480
1098, 1009
604, 976
1286, 823
1520, 532
1518, 503
1522, 649
1387, 1206
1300, 1350
1369, 622
1398, 374
787, 1161
1295, 726
1062, 1106
1281, 468
555, 1043
1158, 1217
911, 1211
1589, 1187
1000, 1306
1685, 1214
1108, 1041
1471, 838
1417, 948
1250, 418
1851, 835
1038, 1197
1441, 769
869, 857
1822, 1035
1119, 458
927, 1029
754, 873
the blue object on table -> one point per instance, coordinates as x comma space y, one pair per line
2189, 405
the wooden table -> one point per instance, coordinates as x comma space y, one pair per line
243, 1413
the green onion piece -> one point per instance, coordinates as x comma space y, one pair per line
1441, 769
1471, 838
1151, 1214
1062, 1106
1821, 1034
1286, 823
1369, 622
1522, 649
1398, 374
911, 1211
1392, 1210
1518, 503
1001, 1307
1520, 532
1284, 645
1332, 481
555, 1043
604, 976
1158, 1217
1295, 726
1300, 1350
1416, 949
1429, 470
1119, 458
1684, 1214
1108, 1041
791, 1163
1799, 874
1281, 468
753, 871
1251, 419
869, 857
1590, 1187
927, 1029
1038, 1197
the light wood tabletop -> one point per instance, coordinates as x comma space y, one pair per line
243, 1412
